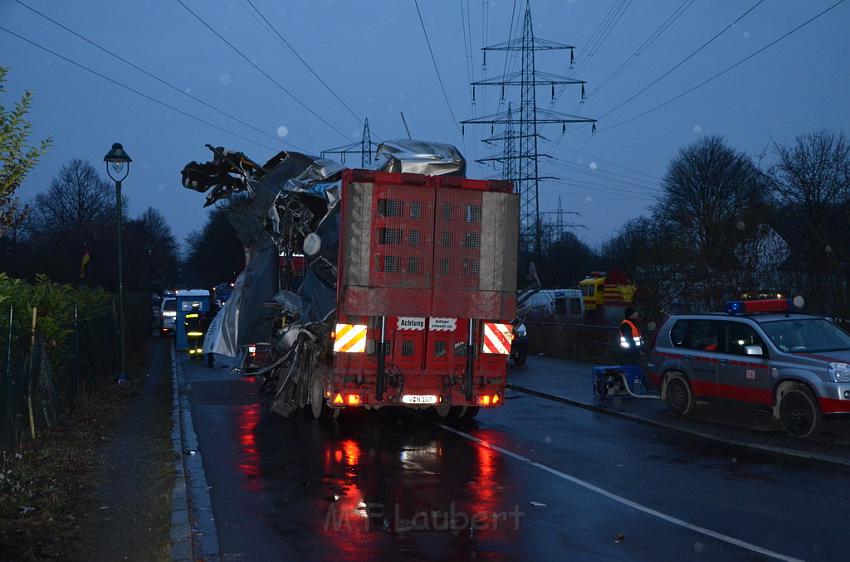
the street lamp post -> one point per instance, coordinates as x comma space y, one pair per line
117, 167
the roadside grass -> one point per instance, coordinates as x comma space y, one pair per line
49, 489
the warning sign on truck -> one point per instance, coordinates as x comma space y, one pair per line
442, 324
410, 323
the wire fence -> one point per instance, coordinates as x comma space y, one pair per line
581, 342
45, 370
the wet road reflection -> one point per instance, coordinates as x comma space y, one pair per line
249, 464
396, 486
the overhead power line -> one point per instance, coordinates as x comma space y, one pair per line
134, 90
433, 60
612, 19
625, 179
684, 60
152, 75
728, 68
261, 71
654, 36
295, 53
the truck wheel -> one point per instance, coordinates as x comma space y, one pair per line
799, 412
318, 407
679, 397
447, 412
469, 412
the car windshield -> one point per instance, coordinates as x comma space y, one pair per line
170, 305
809, 335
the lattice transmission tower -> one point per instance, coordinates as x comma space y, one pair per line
561, 225
525, 127
364, 148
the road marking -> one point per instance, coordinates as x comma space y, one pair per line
624, 501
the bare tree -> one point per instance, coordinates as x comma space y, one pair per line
813, 178
150, 252
78, 208
714, 198
214, 253
712, 193
76, 199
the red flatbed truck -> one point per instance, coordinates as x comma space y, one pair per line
426, 292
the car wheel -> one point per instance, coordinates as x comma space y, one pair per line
799, 412
679, 397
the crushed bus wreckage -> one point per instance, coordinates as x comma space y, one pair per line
373, 288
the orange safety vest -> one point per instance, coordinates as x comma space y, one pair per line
637, 340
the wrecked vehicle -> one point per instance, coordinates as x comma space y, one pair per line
373, 288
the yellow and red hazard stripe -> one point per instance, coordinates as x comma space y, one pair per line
350, 338
497, 338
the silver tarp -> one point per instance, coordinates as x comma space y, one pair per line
421, 157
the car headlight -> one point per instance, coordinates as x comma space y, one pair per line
520, 331
839, 372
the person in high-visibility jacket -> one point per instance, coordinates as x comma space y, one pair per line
631, 341
194, 325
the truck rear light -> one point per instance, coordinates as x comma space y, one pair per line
497, 338
350, 338
252, 349
489, 400
352, 399
338, 399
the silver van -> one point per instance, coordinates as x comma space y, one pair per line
763, 355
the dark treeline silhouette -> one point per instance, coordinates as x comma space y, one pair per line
77, 213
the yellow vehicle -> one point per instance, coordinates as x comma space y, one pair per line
599, 289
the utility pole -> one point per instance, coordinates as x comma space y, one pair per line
363, 148
525, 158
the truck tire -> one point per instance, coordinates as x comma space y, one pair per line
678, 395
318, 405
447, 412
469, 412
799, 412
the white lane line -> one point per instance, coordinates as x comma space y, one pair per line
625, 501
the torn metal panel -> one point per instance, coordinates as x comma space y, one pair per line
421, 157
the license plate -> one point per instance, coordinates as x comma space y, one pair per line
419, 399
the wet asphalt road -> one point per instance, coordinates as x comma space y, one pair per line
388, 486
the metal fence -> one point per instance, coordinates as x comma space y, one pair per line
582, 342
42, 377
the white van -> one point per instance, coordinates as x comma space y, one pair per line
168, 314
556, 305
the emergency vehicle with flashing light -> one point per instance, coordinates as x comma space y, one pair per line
761, 353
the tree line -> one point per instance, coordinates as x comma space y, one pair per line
724, 226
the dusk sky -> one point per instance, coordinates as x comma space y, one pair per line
374, 57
